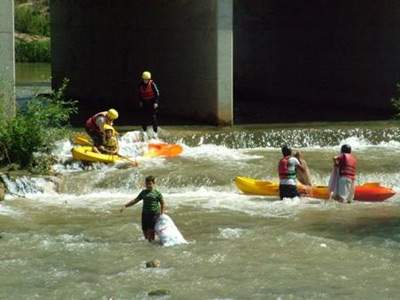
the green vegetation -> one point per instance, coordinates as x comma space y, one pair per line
28, 138
32, 26
396, 103
33, 51
32, 18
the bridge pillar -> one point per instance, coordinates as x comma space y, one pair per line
7, 58
225, 61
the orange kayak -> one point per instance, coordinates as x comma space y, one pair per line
161, 149
367, 192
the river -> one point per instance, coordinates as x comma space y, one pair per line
75, 244
69, 240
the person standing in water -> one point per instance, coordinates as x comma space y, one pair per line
303, 176
153, 207
287, 168
344, 175
148, 101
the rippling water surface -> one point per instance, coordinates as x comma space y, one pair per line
64, 238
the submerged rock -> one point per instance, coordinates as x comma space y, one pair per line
160, 292
155, 263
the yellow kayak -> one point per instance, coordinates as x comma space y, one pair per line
85, 153
368, 192
153, 149
257, 187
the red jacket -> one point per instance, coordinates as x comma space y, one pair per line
347, 165
91, 122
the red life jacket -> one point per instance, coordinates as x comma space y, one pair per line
91, 122
146, 91
283, 169
347, 166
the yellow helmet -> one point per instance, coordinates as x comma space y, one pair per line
108, 127
146, 75
112, 114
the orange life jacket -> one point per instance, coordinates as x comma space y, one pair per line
283, 169
91, 122
146, 91
347, 166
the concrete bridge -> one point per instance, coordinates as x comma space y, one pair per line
225, 61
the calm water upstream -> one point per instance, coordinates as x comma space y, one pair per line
31, 79
74, 244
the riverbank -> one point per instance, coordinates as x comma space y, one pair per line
32, 31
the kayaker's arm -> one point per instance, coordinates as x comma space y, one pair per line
336, 160
104, 150
130, 203
299, 166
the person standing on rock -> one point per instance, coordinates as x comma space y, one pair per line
148, 101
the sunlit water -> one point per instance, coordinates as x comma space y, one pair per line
72, 242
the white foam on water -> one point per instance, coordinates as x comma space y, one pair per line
205, 198
24, 186
230, 233
362, 144
62, 150
216, 153
104, 201
5, 210
356, 143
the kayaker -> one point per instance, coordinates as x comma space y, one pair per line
153, 207
148, 101
287, 168
95, 125
345, 173
303, 176
110, 145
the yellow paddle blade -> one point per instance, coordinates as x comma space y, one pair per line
81, 139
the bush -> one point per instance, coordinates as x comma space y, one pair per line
33, 51
31, 19
36, 128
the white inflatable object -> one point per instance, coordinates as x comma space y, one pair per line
168, 232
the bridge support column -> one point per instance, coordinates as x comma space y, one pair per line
7, 59
225, 62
